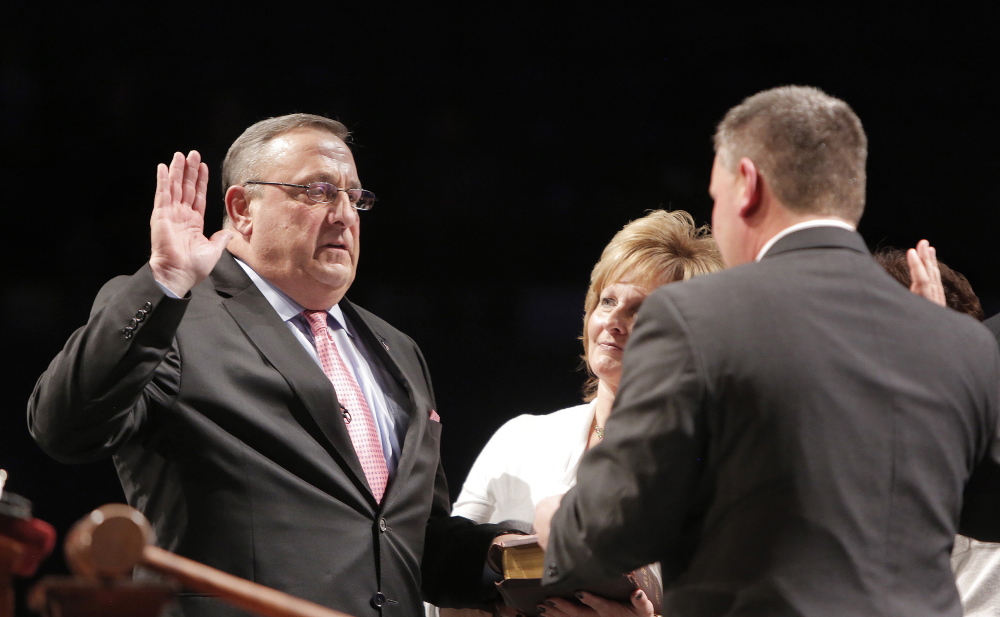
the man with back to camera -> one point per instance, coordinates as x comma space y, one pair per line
207, 377
792, 435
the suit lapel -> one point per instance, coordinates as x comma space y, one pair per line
270, 335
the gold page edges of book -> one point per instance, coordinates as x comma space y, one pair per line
526, 561
523, 564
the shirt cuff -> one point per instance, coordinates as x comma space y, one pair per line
167, 291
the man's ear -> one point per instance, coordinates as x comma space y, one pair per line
752, 187
238, 210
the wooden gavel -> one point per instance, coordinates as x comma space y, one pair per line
115, 538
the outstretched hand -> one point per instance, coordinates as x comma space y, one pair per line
596, 606
925, 276
181, 255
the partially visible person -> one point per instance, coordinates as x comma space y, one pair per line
920, 277
531, 457
792, 435
919, 270
976, 564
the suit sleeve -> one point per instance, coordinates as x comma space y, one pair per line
980, 517
96, 393
636, 490
453, 568
993, 324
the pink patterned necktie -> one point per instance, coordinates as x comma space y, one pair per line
359, 418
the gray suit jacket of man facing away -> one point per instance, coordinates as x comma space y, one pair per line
791, 437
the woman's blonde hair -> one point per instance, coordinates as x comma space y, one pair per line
661, 247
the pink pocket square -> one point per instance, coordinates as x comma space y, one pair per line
434, 416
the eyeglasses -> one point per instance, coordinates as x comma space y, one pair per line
324, 193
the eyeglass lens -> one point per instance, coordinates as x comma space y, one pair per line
324, 192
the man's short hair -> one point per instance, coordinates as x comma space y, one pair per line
808, 146
243, 160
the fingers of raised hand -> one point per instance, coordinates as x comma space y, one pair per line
192, 168
178, 165
162, 197
930, 261
187, 179
925, 274
918, 269
201, 188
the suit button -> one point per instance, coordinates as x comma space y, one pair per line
378, 600
382, 525
553, 570
133, 323
147, 306
127, 332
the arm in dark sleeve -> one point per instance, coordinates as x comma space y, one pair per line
993, 324
635, 490
453, 568
96, 392
981, 506
980, 517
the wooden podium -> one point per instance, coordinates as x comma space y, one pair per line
104, 547
66, 596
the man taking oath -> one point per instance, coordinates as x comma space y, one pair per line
263, 423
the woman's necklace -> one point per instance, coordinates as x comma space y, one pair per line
599, 430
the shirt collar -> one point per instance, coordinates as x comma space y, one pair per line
800, 226
287, 308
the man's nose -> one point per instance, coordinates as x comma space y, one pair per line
341, 211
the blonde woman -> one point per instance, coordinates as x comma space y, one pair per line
531, 457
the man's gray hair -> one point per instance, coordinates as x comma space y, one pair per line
808, 146
243, 160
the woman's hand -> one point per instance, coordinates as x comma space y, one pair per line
596, 606
925, 276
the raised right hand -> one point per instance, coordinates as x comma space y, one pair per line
925, 275
181, 255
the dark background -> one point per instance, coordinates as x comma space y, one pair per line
506, 147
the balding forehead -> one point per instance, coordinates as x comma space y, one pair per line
329, 144
326, 144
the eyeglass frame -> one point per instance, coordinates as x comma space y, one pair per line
362, 193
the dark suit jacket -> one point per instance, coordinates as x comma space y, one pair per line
790, 437
993, 323
225, 435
